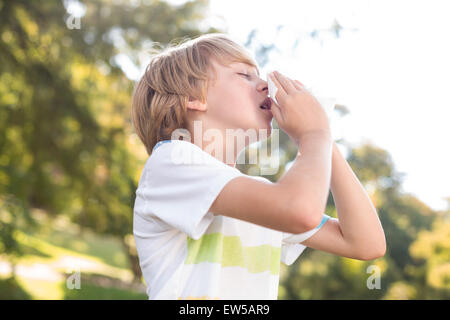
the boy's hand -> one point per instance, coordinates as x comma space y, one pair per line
298, 112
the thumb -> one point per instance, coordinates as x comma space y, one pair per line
276, 111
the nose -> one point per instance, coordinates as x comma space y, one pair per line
263, 86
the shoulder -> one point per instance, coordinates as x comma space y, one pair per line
173, 160
181, 153
260, 178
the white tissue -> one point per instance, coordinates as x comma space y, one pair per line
327, 103
272, 89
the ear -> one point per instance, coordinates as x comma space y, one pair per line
196, 105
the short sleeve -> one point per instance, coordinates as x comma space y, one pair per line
291, 247
179, 184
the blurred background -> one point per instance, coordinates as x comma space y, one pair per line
70, 161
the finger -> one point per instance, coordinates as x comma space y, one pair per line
298, 85
303, 87
298, 82
285, 82
276, 111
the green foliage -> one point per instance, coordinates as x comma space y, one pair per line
415, 265
100, 287
65, 130
10, 289
432, 250
91, 292
13, 214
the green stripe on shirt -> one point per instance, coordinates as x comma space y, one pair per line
229, 252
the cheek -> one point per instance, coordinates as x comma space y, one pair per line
228, 101
232, 104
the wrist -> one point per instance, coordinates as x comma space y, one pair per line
314, 135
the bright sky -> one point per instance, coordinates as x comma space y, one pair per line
390, 67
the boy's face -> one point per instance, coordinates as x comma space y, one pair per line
234, 100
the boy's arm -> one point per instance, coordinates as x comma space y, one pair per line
295, 203
307, 182
358, 233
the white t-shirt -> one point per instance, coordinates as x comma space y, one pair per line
185, 252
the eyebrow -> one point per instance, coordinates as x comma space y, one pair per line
248, 65
257, 71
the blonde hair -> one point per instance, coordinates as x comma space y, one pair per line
173, 76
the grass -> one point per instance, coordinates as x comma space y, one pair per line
92, 292
11, 289
20, 288
105, 248
54, 251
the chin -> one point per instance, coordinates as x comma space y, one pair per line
261, 126
259, 129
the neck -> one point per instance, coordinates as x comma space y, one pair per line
223, 149
216, 142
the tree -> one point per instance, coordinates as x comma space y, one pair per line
432, 249
319, 275
64, 107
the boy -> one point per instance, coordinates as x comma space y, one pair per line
204, 230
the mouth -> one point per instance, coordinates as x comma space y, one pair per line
265, 107
266, 104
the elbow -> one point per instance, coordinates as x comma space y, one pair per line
373, 252
305, 219
382, 250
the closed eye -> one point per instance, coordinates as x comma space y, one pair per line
248, 76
